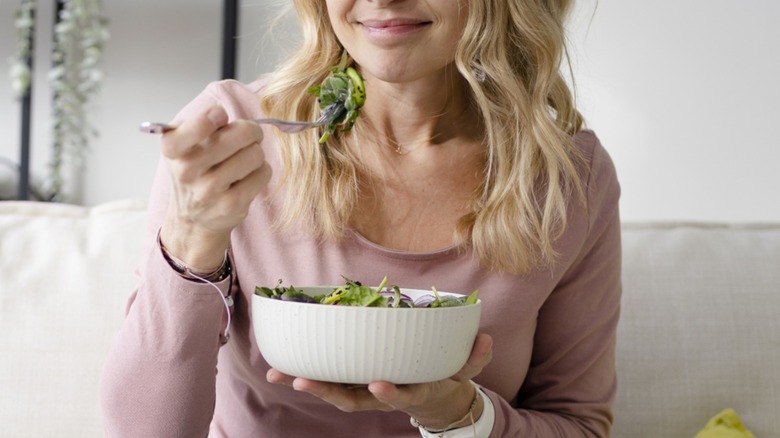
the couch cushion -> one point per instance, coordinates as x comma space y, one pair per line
698, 333
700, 328
65, 277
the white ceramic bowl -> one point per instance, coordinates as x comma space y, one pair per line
359, 345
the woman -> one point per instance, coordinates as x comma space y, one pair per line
467, 168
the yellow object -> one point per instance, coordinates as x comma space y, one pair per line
725, 425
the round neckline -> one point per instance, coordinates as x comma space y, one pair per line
364, 242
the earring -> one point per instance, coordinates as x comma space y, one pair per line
478, 73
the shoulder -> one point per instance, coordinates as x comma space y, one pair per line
589, 146
232, 87
598, 164
599, 176
241, 100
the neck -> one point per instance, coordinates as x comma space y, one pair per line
408, 137
406, 117
407, 129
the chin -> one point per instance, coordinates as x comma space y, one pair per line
403, 71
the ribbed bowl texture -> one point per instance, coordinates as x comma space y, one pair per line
359, 345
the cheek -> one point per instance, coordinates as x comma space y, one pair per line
462, 17
338, 15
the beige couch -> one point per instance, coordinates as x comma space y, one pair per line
700, 330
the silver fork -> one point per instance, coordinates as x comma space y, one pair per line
287, 126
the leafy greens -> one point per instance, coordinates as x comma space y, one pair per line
353, 293
340, 97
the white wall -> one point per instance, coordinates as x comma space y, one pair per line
684, 94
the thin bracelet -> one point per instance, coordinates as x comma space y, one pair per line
469, 414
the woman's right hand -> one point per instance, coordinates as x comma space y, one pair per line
217, 169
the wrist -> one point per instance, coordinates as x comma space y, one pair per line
200, 251
473, 411
212, 276
481, 427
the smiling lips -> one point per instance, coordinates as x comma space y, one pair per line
396, 26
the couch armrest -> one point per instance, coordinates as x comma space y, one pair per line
65, 276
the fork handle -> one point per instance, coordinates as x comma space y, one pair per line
155, 128
284, 125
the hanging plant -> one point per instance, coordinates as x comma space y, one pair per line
20, 73
79, 38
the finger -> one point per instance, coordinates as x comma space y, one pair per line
180, 141
274, 376
481, 355
236, 200
238, 165
242, 177
348, 398
250, 186
216, 158
390, 394
232, 139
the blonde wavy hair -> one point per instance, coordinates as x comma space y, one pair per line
510, 54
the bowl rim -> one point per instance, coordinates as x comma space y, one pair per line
319, 289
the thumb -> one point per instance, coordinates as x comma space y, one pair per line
481, 355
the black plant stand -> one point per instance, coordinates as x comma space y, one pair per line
229, 36
23, 191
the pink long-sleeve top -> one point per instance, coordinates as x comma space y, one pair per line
169, 374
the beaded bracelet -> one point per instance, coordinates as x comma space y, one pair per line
181, 268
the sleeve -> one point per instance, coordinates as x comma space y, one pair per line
571, 382
159, 377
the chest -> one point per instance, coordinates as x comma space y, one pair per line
415, 216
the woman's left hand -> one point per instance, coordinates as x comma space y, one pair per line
435, 404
